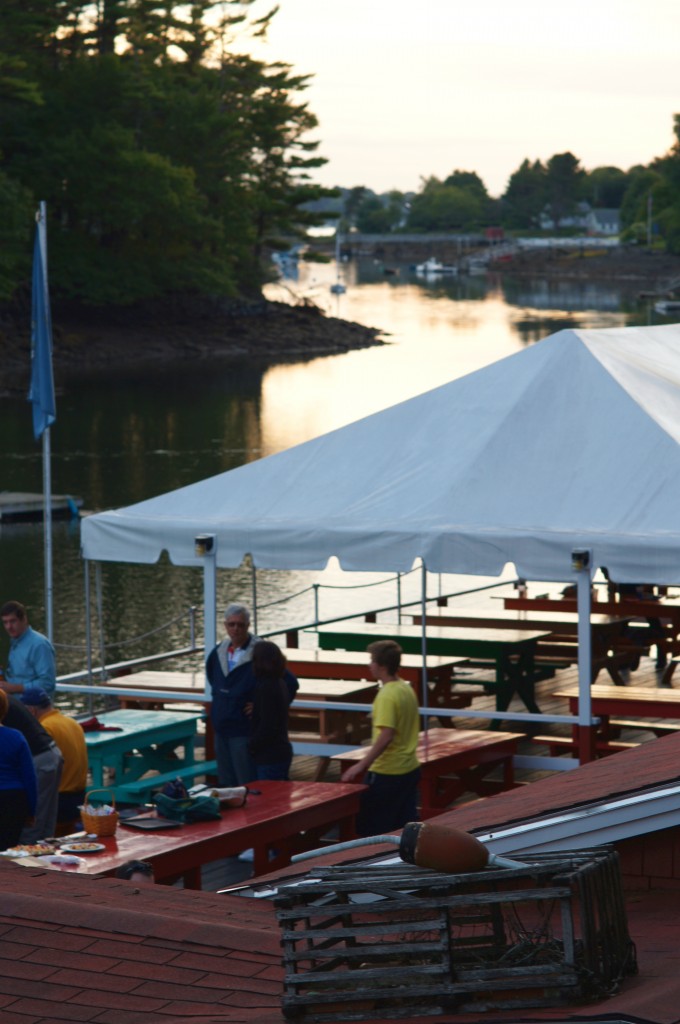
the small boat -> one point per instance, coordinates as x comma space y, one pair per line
338, 288
434, 267
667, 306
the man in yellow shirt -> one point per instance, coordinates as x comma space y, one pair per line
70, 738
391, 799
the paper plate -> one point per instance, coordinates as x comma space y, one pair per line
82, 848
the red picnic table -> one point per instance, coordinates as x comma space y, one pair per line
274, 817
457, 761
610, 703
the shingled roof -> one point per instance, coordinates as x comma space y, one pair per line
106, 951
78, 949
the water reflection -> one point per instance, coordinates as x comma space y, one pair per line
121, 439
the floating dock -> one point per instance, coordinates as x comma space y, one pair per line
17, 506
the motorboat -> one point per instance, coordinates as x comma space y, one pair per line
338, 287
434, 267
667, 306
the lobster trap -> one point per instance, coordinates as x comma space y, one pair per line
364, 941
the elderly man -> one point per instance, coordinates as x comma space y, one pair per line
70, 738
31, 662
227, 669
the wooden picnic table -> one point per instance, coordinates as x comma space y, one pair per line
457, 761
610, 646
172, 686
322, 664
278, 820
662, 618
142, 741
512, 652
333, 724
629, 701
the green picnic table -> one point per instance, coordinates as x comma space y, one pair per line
139, 741
512, 652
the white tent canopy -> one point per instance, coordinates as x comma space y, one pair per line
571, 443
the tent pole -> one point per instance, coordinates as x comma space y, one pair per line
100, 618
580, 561
88, 619
253, 574
206, 548
423, 642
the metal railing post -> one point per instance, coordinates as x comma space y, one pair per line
192, 625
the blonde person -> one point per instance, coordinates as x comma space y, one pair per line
393, 768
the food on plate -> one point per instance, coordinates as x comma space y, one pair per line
28, 850
83, 847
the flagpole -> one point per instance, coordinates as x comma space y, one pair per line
47, 520
41, 392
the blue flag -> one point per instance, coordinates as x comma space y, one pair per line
41, 392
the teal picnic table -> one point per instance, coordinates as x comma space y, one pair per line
139, 742
512, 652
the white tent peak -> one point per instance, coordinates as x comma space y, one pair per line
572, 442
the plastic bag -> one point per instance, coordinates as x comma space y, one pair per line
189, 808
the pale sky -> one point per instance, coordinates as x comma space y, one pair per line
405, 90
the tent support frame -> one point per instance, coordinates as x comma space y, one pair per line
581, 563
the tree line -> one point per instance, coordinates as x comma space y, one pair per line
168, 161
172, 163
536, 193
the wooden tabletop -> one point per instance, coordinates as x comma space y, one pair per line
436, 744
650, 702
490, 643
274, 811
564, 622
336, 690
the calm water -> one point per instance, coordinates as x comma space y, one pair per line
121, 439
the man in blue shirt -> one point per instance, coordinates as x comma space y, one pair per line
31, 663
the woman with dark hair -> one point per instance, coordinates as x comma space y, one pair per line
18, 783
274, 689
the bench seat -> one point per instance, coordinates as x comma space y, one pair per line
555, 744
142, 789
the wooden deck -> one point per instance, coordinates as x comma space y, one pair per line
231, 871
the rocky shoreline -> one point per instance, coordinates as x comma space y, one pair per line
186, 329
654, 272
96, 341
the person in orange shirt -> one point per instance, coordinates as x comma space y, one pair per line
70, 738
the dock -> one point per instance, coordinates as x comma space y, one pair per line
22, 507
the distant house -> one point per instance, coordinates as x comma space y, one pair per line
577, 219
603, 222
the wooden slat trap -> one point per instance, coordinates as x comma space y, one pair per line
362, 941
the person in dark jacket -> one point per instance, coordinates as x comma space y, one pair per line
48, 763
274, 689
228, 672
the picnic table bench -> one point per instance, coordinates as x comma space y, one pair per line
457, 761
611, 647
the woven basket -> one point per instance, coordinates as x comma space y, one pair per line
99, 824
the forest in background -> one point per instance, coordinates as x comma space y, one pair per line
538, 194
168, 161
172, 164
